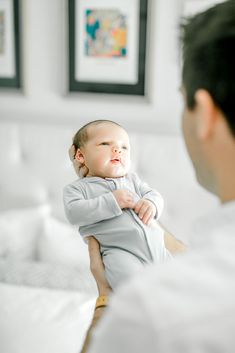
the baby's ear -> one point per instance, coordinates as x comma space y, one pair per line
79, 156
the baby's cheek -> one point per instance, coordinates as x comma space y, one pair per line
127, 163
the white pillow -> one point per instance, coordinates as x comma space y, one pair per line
19, 229
28, 192
60, 243
37, 320
41, 274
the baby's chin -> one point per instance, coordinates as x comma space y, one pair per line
116, 174
113, 172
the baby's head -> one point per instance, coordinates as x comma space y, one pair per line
102, 147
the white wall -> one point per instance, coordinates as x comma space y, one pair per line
44, 94
44, 69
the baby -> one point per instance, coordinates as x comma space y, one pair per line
112, 204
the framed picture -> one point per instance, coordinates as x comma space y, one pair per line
107, 46
9, 44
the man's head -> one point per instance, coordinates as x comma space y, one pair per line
208, 79
103, 147
209, 57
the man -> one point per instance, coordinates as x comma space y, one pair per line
187, 305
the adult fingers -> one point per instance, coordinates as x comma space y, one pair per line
97, 266
96, 262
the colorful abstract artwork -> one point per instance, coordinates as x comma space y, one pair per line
2, 32
106, 33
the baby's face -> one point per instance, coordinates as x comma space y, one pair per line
107, 151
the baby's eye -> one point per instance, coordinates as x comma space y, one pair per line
124, 147
104, 143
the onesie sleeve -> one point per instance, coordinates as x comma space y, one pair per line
150, 194
82, 212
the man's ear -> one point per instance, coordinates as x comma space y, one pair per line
206, 113
79, 156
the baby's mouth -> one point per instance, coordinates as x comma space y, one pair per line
115, 160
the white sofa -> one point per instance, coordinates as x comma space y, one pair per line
46, 291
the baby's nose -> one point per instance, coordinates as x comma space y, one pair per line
116, 149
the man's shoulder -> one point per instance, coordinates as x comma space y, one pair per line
199, 280
186, 299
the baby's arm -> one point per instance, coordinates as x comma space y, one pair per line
125, 198
151, 204
81, 211
146, 210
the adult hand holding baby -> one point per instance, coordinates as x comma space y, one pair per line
80, 169
97, 267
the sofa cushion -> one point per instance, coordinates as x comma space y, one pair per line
19, 230
60, 243
46, 275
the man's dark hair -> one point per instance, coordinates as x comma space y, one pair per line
81, 136
208, 42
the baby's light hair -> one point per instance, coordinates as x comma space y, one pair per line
81, 137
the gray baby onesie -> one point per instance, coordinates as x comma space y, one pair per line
126, 243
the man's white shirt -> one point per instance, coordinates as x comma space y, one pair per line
185, 305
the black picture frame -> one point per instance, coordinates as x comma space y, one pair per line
13, 80
77, 85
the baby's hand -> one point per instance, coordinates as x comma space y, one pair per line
125, 198
80, 169
146, 210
